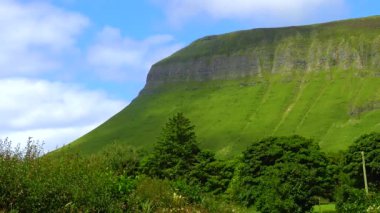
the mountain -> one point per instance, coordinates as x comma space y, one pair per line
320, 81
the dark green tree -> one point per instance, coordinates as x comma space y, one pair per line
370, 144
286, 187
211, 174
351, 196
291, 170
176, 151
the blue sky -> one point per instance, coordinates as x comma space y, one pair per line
68, 65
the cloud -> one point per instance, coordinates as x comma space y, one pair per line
38, 41
54, 112
52, 138
115, 57
180, 11
35, 36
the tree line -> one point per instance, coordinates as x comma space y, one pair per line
274, 174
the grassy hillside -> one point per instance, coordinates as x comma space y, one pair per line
319, 81
333, 108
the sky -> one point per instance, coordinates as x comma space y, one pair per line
66, 66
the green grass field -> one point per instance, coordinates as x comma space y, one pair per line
326, 208
229, 115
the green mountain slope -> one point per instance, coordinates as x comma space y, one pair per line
320, 81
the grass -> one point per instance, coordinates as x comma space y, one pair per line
326, 208
229, 115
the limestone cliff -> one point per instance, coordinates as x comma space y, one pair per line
336, 45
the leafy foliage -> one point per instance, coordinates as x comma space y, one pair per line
211, 174
370, 144
111, 180
286, 187
275, 174
351, 196
29, 183
122, 159
350, 199
292, 169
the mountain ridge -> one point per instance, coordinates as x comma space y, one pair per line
270, 50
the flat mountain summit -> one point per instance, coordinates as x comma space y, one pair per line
320, 81
341, 45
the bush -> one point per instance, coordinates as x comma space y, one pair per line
29, 183
350, 199
122, 159
106, 182
154, 195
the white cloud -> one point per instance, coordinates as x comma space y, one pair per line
52, 138
35, 36
121, 58
54, 112
180, 11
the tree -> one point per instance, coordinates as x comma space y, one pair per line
286, 187
351, 196
290, 170
176, 151
370, 144
211, 174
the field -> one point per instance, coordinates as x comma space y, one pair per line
327, 208
331, 107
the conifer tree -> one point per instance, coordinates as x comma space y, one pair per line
176, 151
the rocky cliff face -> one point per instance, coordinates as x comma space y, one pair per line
336, 45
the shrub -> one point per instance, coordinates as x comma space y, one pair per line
152, 195
29, 183
350, 199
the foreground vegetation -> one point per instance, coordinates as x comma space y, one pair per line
275, 174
